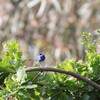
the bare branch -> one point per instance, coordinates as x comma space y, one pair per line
96, 86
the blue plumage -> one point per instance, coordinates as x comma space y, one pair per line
40, 57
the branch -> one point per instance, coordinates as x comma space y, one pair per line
96, 86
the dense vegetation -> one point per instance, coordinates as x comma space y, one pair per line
18, 83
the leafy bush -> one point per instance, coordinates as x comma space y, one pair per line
17, 84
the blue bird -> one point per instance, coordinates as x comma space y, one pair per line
41, 57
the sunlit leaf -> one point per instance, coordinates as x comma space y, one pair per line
21, 75
67, 65
28, 86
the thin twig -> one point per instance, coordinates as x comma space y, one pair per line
96, 86
36, 76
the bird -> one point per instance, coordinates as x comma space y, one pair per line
41, 57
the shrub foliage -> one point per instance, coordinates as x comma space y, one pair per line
17, 84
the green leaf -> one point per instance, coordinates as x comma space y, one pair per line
10, 84
23, 95
1, 99
87, 40
28, 86
21, 75
67, 65
85, 97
